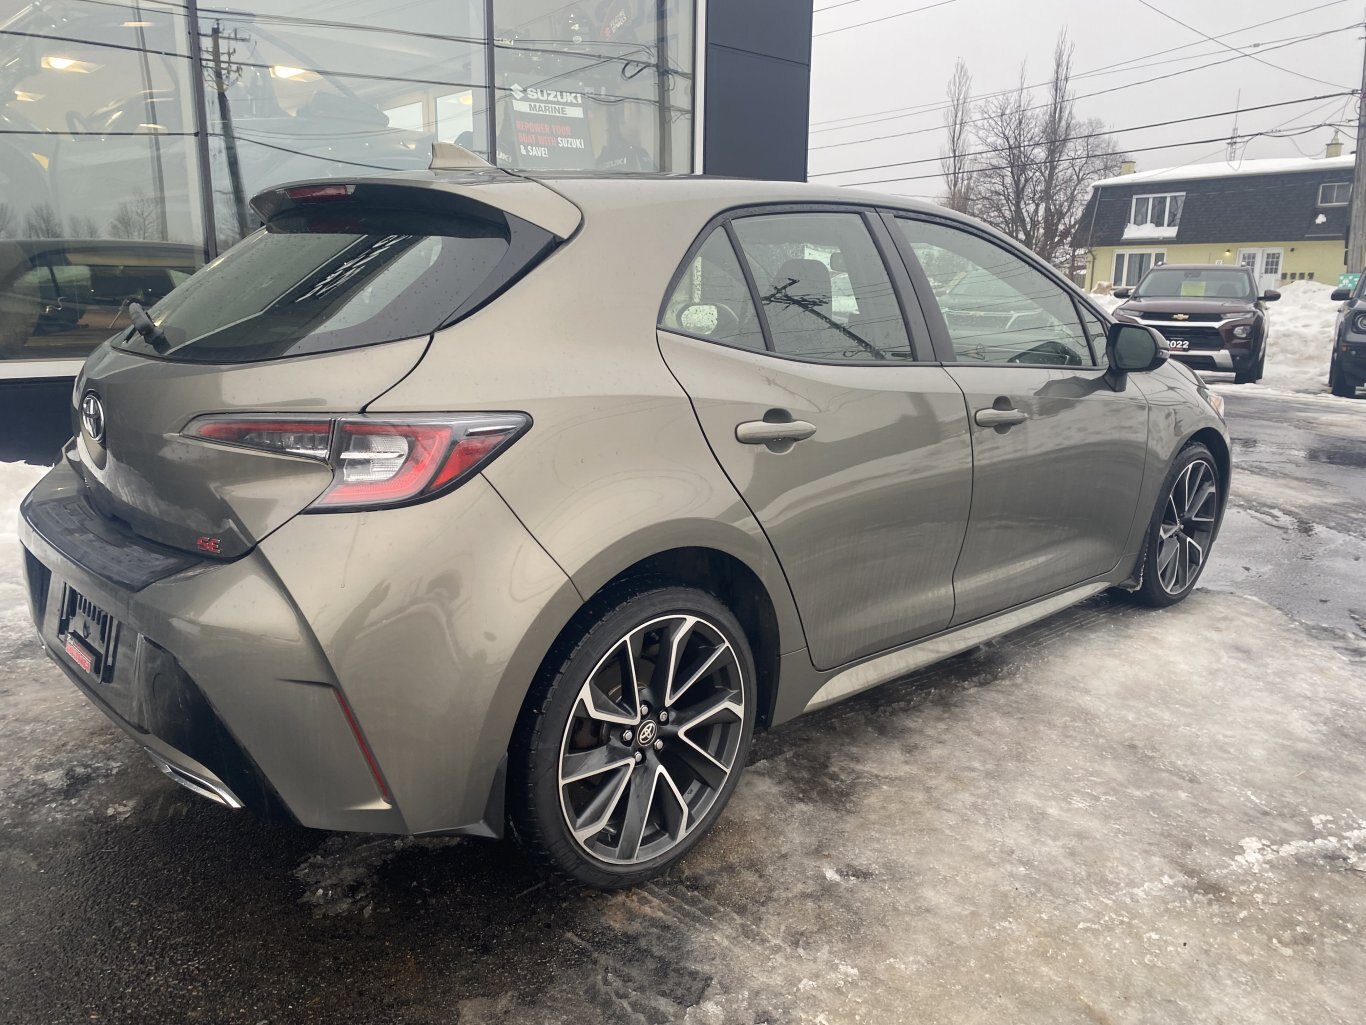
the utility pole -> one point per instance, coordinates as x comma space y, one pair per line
1356, 221
1233, 139
220, 85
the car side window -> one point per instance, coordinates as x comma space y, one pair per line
823, 287
712, 299
998, 309
1095, 331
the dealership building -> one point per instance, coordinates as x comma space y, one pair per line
134, 134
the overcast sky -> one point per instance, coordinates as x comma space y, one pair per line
863, 79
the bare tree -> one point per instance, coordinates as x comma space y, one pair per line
83, 227
8, 221
956, 161
42, 221
136, 219
1032, 163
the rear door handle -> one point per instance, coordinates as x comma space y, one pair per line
764, 432
1000, 417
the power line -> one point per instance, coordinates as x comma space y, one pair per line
889, 17
1087, 156
857, 120
936, 128
1120, 88
831, 7
1093, 135
1229, 46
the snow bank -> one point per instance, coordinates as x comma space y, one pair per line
1301, 339
15, 481
1300, 342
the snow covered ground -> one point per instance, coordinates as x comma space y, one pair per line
1300, 341
15, 480
1119, 814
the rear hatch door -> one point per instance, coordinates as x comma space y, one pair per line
323, 310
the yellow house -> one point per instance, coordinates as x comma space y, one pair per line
1284, 219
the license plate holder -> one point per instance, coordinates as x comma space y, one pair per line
1179, 344
89, 635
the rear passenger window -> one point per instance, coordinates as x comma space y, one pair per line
712, 299
998, 308
823, 287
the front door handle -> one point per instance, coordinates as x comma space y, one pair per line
1000, 417
765, 432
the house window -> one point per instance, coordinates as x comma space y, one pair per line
1334, 193
1131, 266
1163, 211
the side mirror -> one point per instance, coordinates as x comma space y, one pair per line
1123, 292
709, 320
1270, 295
1134, 349
1341, 295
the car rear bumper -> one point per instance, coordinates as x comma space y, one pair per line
311, 676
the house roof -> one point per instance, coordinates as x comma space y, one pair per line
1191, 172
1256, 201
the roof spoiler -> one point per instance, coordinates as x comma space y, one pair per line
537, 202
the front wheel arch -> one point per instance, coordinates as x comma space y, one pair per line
1223, 461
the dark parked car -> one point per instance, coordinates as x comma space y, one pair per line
1347, 370
461, 498
1213, 317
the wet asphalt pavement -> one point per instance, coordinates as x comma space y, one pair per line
1117, 815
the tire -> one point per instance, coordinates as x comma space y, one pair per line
1338, 383
1183, 524
1254, 371
643, 787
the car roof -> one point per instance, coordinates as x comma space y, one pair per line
649, 188
1199, 266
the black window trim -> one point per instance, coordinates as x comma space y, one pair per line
918, 333
929, 302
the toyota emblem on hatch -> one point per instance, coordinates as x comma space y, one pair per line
92, 416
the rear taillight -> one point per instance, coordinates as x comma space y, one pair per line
375, 462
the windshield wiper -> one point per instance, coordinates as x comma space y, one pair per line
145, 326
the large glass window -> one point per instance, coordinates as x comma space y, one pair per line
823, 287
134, 133
302, 89
998, 309
602, 86
99, 183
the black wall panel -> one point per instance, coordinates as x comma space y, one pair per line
757, 88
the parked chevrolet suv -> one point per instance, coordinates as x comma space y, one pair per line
1213, 317
456, 499
1347, 368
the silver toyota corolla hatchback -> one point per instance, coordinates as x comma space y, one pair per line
456, 501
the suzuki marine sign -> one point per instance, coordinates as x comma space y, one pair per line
549, 127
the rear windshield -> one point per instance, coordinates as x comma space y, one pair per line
325, 275
1195, 283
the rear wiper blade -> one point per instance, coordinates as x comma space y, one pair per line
144, 325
